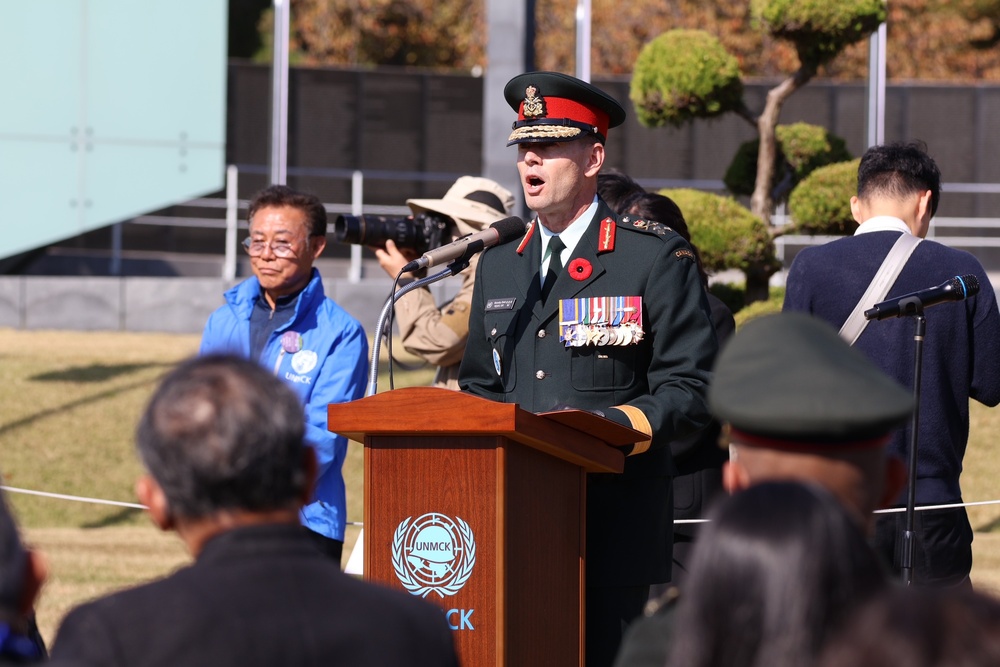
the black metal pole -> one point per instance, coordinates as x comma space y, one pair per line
909, 537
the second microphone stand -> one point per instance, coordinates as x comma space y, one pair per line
909, 537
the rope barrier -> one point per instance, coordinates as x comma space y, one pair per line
118, 503
80, 499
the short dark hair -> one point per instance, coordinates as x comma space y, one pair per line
221, 433
282, 195
898, 170
618, 190
777, 568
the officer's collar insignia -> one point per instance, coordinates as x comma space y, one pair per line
606, 242
527, 237
534, 104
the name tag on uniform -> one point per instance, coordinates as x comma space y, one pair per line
601, 321
500, 304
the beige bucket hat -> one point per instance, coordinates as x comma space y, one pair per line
472, 202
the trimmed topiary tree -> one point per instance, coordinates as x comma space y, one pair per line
682, 75
818, 29
821, 203
802, 148
726, 234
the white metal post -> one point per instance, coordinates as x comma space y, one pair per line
232, 215
876, 87
357, 199
583, 40
279, 93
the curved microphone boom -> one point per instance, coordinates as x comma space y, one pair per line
500, 232
953, 289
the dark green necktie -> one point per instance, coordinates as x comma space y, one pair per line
555, 265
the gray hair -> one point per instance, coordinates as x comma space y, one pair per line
221, 433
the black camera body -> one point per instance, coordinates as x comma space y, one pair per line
421, 232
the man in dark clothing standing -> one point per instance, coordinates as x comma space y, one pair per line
599, 312
898, 191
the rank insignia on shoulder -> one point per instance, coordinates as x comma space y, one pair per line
684, 253
651, 226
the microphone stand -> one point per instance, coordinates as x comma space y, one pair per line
913, 307
452, 269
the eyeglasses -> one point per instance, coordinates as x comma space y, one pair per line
255, 248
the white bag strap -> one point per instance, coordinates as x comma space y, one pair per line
879, 286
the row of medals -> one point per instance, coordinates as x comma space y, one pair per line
578, 335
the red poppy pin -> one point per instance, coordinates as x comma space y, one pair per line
580, 269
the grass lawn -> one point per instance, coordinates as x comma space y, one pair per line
69, 402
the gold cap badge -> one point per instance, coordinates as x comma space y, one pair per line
534, 104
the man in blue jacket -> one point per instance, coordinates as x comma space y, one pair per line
899, 186
282, 318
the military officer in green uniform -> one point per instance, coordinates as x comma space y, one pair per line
596, 312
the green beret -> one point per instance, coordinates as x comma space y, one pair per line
791, 377
553, 107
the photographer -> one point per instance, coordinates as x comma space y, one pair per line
439, 335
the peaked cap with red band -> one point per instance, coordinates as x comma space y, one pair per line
789, 381
552, 106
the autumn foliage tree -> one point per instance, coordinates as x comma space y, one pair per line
928, 39
411, 33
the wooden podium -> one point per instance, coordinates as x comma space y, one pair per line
480, 507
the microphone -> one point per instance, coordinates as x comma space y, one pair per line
953, 289
500, 232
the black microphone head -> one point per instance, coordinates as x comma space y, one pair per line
969, 284
509, 229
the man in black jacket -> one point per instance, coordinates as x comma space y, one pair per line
222, 440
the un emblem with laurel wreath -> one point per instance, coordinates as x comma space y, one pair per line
433, 554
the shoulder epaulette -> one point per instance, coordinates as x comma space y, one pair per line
648, 226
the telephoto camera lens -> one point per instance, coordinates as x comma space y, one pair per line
420, 233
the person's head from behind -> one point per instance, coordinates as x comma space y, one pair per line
776, 568
919, 627
470, 205
801, 404
287, 234
560, 131
618, 190
898, 179
223, 443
